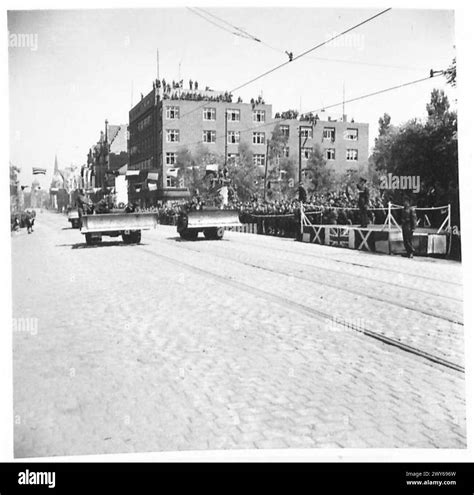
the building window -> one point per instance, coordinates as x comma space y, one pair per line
352, 155
329, 133
258, 138
306, 153
232, 157
172, 113
285, 152
351, 134
233, 137
209, 114
169, 182
259, 115
209, 136
258, 159
144, 123
143, 165
171, 158
172, 135
330, 154
285, 130
306, 132
233, 115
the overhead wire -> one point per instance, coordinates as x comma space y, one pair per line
351, 100
304, 53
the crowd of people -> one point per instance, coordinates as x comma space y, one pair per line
176, 90
20, 220
282, 217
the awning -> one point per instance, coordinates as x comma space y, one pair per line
213, 167
122, 170
152, 176
172, 172
152, 187
132, 172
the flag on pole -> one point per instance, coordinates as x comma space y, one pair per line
37, 171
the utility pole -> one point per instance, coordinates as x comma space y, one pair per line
343, 99
299, 155
225, 139
266, 174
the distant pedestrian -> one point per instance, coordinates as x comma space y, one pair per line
29, 221
408, 227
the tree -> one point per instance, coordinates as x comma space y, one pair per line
281, 169
426, 149
289, 171
243, 174
451, 73
318, 177
192, 167
384, 124
438, 107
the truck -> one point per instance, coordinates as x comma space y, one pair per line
128, 225
209, 220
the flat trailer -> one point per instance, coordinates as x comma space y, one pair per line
127, 225
211, 221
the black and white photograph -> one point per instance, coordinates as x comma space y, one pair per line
235, 228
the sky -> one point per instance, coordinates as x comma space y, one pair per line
84, 66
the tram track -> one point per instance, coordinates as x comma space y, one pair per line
359, 277
298, 307
328, 284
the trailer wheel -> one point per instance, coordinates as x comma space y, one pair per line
216, 233
210, 233
189, 235
136, 237
90, 241
132, 238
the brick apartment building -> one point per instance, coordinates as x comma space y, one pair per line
345, 145
160, 126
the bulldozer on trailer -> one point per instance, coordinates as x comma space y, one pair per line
128, 225
209, 220
102, 219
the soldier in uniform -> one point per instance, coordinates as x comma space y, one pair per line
408, 227
83, 204
363, 202
302, 196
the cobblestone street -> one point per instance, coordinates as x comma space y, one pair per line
248, 342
